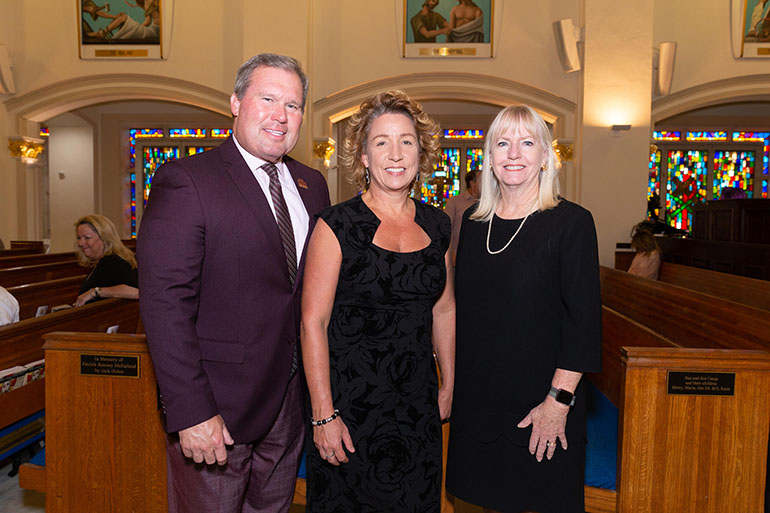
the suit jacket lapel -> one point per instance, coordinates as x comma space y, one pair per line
249, 188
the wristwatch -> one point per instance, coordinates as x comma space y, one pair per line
97, 291
562, 396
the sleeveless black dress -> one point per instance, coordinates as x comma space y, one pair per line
383, 374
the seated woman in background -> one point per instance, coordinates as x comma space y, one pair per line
114, 265
646, 263
9, 308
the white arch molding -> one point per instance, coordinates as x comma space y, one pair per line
730, 90
52, 100
466, 87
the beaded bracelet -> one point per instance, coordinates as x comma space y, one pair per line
325, 421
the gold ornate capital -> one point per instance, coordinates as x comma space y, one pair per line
324, 149
653, 148
24, 149
563, 150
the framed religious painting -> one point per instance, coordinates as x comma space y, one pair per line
122, 29
448, 28
751, 28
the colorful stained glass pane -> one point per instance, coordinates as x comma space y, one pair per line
733, 169
194, 133
653, 184
686, 186
474, 158
445, 181
132, 182
140, 133
192, 150
44, 131
463, 134
221, 133
152, 158
764, 138
706, 136
667, 136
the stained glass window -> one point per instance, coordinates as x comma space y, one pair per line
133, 135
463, 134
686, 187
474, 158
221, 133
44, 131
706, 136
196, 133
733, 169
192, 150
445, 181
653, 184
153, 157
764, 138
667, 136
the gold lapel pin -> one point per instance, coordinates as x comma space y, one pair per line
301, 183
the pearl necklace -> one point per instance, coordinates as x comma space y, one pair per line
489, 232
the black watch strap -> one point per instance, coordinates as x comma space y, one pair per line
562, 396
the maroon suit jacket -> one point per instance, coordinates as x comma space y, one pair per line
216, 301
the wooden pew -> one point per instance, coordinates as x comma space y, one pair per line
747, 291
36, 245
634, 378
644, 317
683, 315
46, 293
22, 343
19, 252
44, 258
14, 276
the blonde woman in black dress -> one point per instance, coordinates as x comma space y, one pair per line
377, 302
528, 288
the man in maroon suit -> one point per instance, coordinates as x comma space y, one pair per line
220, 258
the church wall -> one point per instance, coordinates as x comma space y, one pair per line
71, 178
702, 33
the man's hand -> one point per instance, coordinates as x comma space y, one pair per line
206, 441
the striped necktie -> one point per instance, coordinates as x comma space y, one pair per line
283, 219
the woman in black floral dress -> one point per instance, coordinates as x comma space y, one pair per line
377, 302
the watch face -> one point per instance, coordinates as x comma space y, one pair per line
564, 397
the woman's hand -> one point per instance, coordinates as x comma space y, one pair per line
85, 297
445, 402
548, 420
329, 439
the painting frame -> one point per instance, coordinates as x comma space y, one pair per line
130, 30
751, 29
473, 40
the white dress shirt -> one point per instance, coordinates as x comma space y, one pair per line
9, 308
297, 211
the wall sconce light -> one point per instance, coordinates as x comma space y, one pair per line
324, 149
620, 128
25, 150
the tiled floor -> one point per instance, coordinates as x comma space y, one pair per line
15, 500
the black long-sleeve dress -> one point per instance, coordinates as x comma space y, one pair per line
522, 314
109, 271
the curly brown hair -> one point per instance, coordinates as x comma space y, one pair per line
389, 102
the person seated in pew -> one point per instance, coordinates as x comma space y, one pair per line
9, 308
646, 263
114, 273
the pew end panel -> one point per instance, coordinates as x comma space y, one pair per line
105, 444
693, 453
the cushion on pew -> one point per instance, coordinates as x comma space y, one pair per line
602, 434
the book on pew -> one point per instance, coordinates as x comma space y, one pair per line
12, 378
41, 311
59, 307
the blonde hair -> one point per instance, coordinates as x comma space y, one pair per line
510, 119
107, 232
390, 102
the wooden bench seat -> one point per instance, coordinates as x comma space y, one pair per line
35, 259
14, 276
22, 343
46, 293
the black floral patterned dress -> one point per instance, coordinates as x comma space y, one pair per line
383, 375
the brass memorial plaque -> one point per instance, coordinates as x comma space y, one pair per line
701, 383
112, 365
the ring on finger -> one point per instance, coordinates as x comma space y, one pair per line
549, 444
